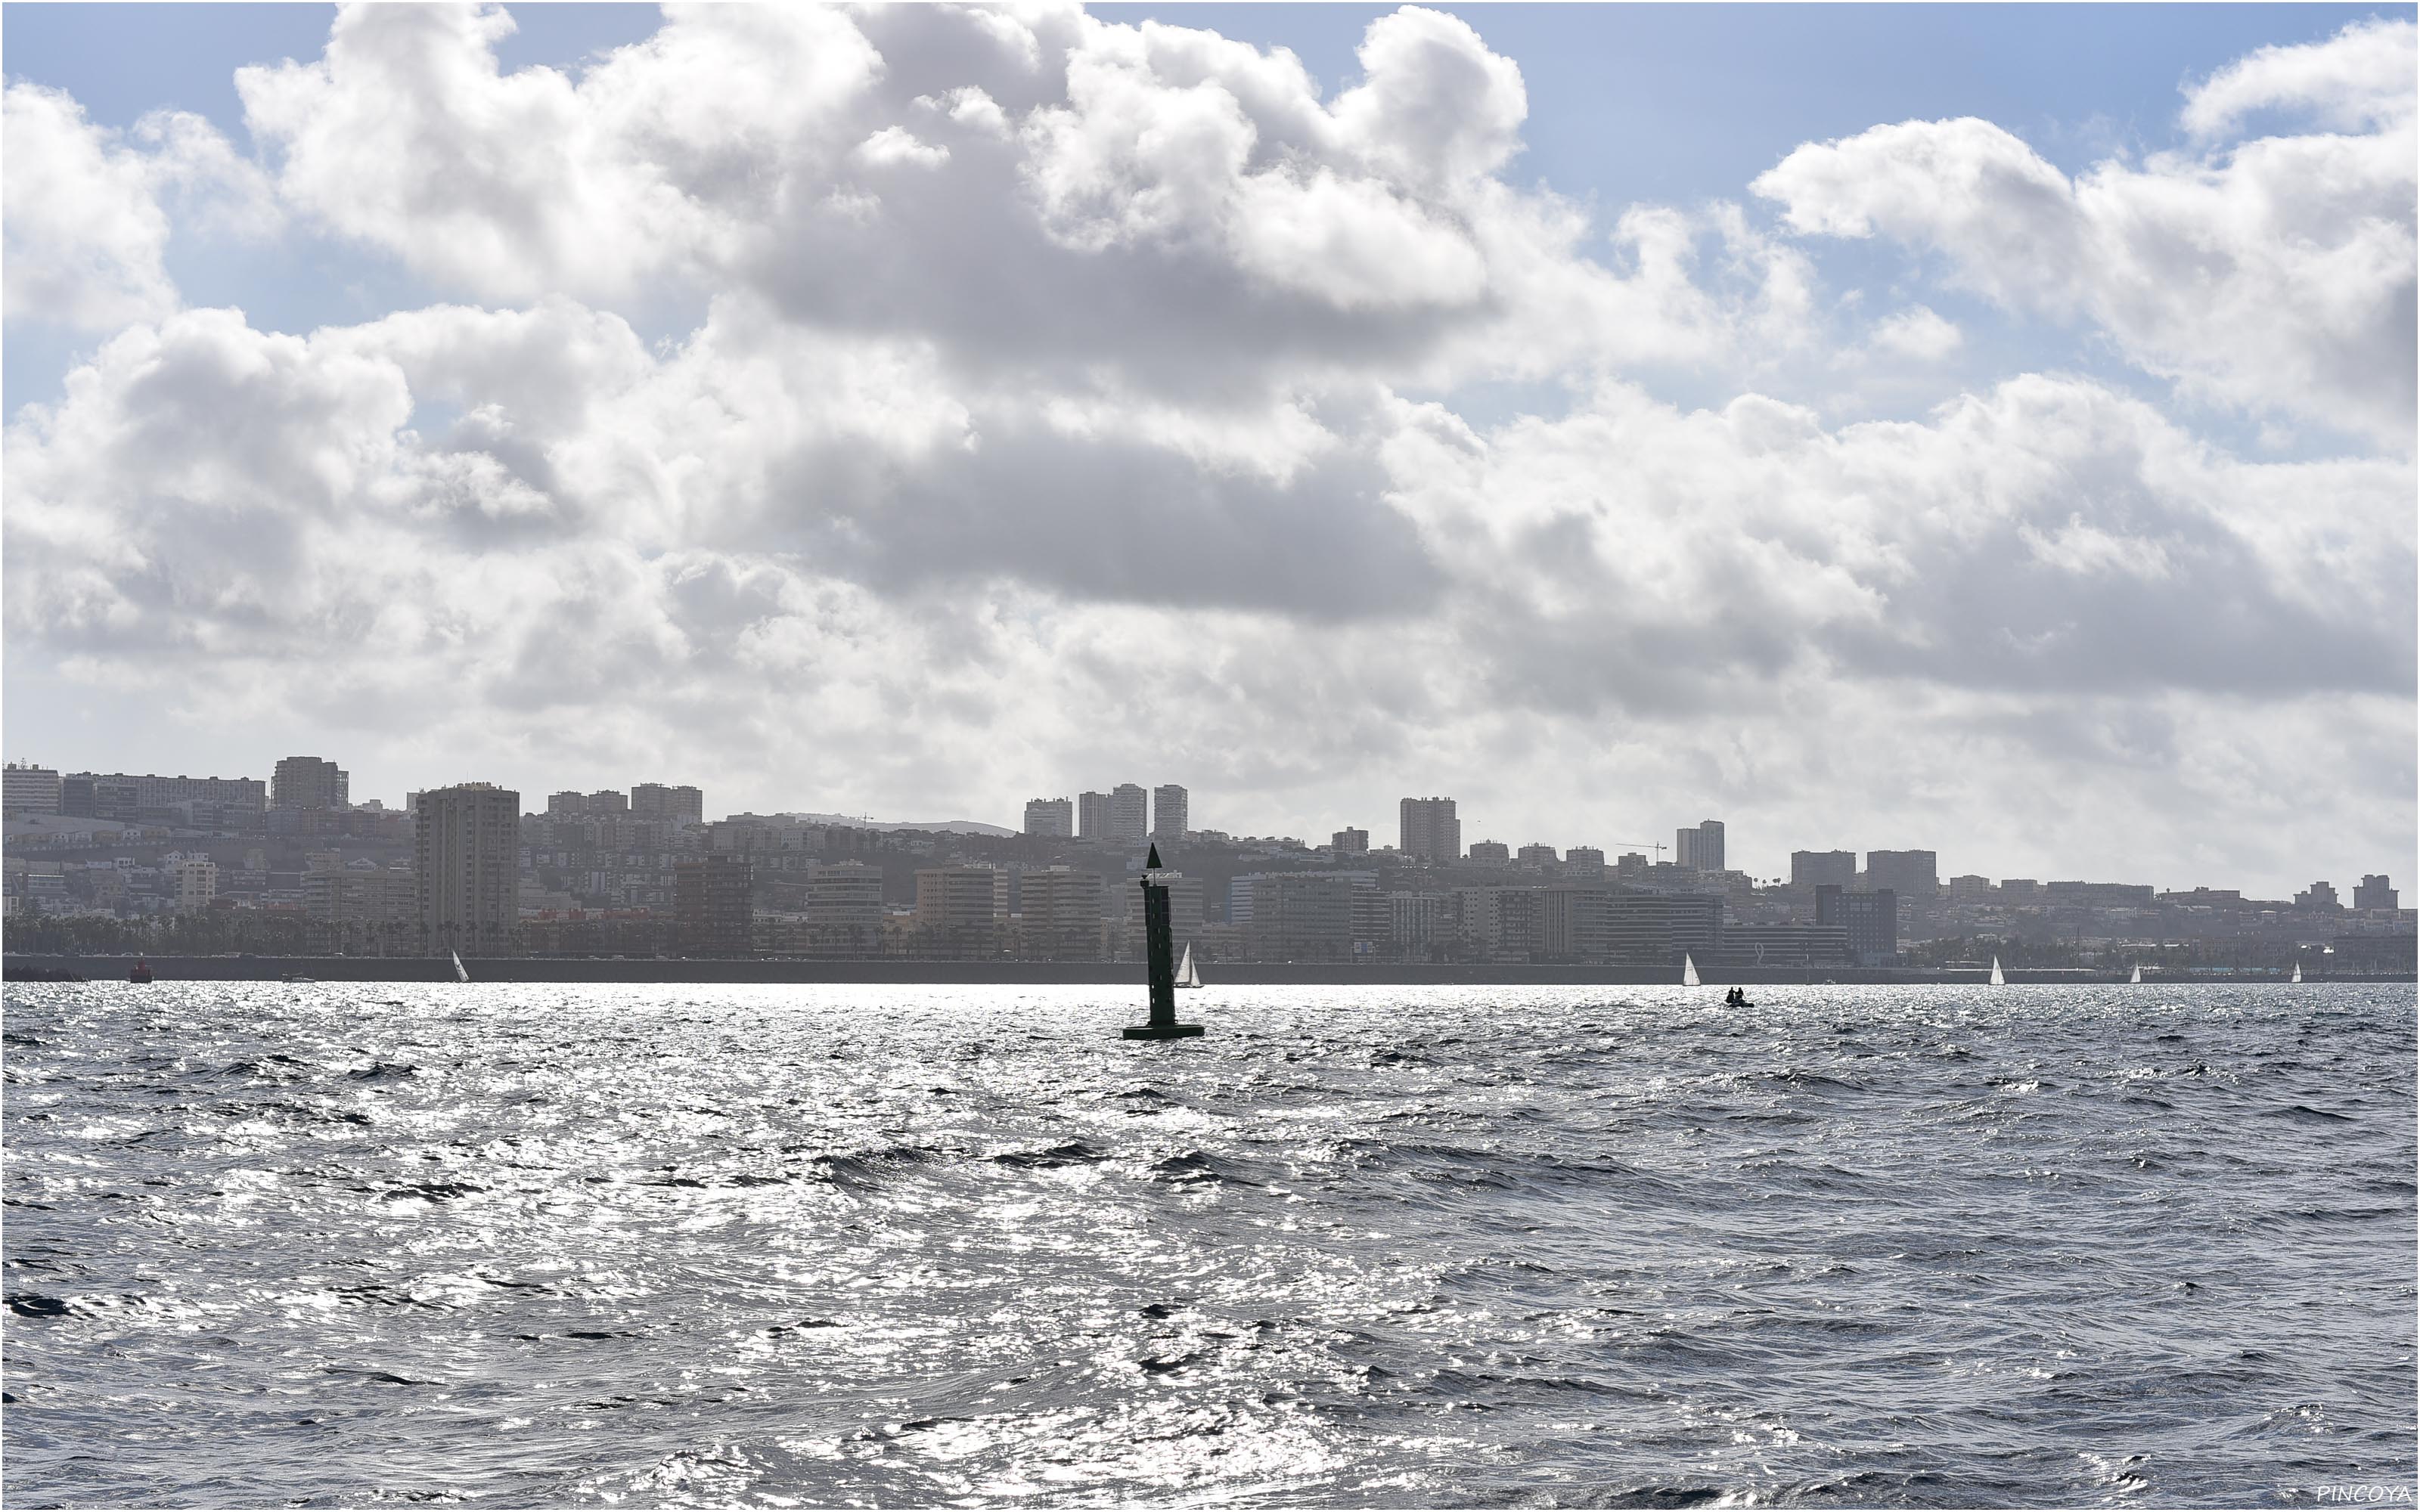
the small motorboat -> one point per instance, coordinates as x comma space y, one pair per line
142, 972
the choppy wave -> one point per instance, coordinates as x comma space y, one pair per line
516, 1246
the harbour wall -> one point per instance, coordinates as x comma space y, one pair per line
1015, 973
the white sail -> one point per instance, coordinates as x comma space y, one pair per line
2136, 979
1998, 980
1688, 970
1185, 974
459, 974
2297, 971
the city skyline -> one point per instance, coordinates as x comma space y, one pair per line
166, 865
1846, 450
1428, 829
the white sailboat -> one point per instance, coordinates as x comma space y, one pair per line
459, 974
1688, 970
1997, 979
1186, 975
2136, 979
2297, 971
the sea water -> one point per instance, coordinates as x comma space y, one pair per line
546, 1244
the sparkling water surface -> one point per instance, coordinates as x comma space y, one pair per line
363, 1242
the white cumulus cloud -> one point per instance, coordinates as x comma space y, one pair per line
1048, 366
2275, 274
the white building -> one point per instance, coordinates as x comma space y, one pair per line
466, 858
843, 907
1699, 848
308, 782
1430, 830
1129, 814
196, 881
1060, 911
1169, 816
29, 788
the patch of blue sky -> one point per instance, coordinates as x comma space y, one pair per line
1677, 103
571, 37
36, 359
123, 61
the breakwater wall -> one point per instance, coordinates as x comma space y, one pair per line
1003, 973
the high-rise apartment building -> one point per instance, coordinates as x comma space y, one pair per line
1491, 852
1168, 820
1872, 919
2321, 896
1053, 818
844, 908
1093, 818
197, 883
1663, 927
607, 803
29, 788
1428, 829
960, 909
308, 782
1584, 862
1914, 875
101, 795
1129, 814
1415, 920
201, 802
1307, 915
1536, 854
714, 906
466, 850
1823, 869
1699, 847
566, 805
2376, 891
1060, 913
1350, 841
667, 805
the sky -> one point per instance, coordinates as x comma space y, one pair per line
1986, 430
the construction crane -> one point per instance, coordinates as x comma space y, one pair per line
1657, 846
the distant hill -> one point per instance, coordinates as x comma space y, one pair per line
958, 827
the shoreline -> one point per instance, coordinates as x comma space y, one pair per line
786, 971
